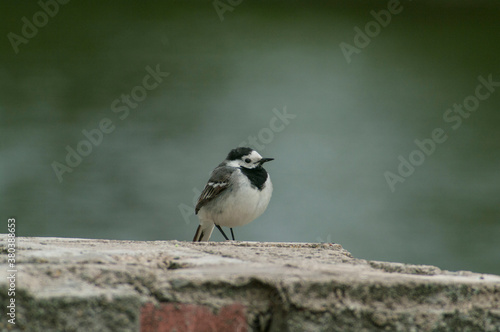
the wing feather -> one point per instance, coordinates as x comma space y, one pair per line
219, 181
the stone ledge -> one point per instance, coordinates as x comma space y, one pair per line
102, 285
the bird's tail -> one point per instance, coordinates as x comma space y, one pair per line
203, 232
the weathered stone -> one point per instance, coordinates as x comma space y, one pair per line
101, 285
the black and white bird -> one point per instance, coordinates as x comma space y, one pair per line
238, 192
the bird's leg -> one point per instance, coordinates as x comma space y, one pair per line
223, 234
232, 234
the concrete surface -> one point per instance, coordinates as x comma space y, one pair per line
101, 285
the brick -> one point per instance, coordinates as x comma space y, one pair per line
181, 317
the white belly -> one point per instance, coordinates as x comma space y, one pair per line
238, 205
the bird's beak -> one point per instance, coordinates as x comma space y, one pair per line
265, 160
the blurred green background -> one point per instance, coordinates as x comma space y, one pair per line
352, 121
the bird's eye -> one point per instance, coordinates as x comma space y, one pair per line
247, 160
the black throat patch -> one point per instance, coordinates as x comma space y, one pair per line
257, 176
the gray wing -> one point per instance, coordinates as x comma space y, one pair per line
219, 181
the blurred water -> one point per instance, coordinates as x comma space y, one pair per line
352, 122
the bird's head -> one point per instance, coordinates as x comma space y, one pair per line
245, 157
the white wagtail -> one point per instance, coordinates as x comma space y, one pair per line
238, 191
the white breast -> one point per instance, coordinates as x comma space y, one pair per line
240, 204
